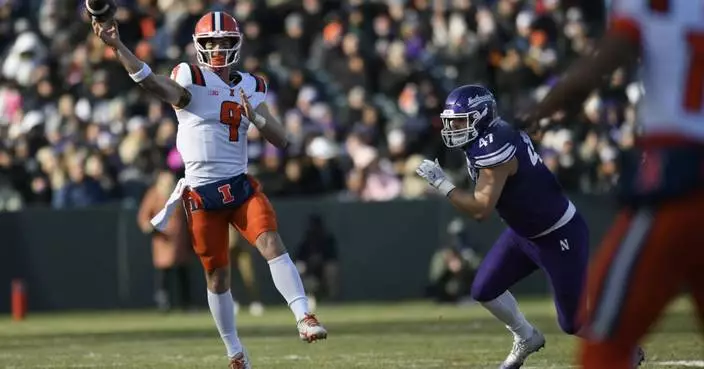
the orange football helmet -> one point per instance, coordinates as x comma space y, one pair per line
214, 26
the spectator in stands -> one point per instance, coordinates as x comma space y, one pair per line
316, 260
171, 249
453, 266
339, 71
79, 189
241, 258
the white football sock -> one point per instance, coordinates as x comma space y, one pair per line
505, 308
288, 282
223, 309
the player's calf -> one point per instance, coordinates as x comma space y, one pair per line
288, 281
270, 245
570, 325
610, 354
218, 280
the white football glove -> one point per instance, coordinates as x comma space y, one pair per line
433, 173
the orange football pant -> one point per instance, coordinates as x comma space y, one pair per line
645, 261
210, 228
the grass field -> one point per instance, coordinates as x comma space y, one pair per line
389, 336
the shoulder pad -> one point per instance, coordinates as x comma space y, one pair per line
187, 75
260, 85
494, 147
627, 16
256, 87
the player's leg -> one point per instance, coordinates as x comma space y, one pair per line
210, 242
696, 286
564, 256
502, 267
642, 265
256, 222
245, 265
695, 279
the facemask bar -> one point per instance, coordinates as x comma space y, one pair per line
461, 136
232, 55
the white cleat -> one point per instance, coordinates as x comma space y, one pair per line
240, 361
310, 330
522, 349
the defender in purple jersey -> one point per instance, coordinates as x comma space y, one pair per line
544, 231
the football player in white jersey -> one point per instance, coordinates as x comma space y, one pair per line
215, 106
654, 249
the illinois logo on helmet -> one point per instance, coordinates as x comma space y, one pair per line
211, 36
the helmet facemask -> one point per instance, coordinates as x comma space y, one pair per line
215, 52
459, 128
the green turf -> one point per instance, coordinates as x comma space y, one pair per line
390, 336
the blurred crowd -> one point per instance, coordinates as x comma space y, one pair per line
359, 86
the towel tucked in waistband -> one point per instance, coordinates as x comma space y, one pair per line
161, 219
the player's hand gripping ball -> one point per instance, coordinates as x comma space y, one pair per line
101, 11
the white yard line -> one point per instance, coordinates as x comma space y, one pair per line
680, 363
687, 363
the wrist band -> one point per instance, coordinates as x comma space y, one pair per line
446, 187
142, 73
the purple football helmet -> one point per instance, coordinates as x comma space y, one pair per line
468, 110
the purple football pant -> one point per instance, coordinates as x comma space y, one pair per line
562, 254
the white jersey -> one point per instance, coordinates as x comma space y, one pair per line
212, 129
671, 35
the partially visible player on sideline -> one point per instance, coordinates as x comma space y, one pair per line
655, 248
545, 231
215, 105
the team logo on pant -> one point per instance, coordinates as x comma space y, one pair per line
226, 193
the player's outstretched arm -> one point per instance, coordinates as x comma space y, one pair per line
273, 131
163, 87
270, 127
479, 203
587, 73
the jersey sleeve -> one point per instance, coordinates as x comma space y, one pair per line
188, 75
255, 87
493, 148
626, 16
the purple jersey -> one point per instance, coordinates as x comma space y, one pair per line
532, 202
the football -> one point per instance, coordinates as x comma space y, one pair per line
101, 10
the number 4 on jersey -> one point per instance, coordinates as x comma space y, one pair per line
534, 156
486, 140
231, 115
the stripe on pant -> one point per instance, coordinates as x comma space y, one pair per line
613, 293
